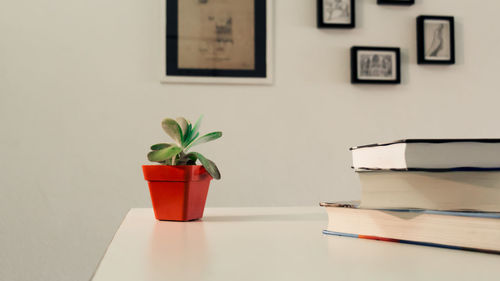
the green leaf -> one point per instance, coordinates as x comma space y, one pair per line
183, 123
191, 156
164, 153
187, 143
172, 128
194, 137
193, 133
187, 159
159, 146
208, 164
206, 138
197, 126
186, 137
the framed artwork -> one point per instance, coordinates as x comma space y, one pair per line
395, 2
435, 40
336, 14
375, 65
217, 41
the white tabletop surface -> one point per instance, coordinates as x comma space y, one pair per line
273, 244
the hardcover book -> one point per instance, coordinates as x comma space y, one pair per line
472, 231
429, 155
456, 190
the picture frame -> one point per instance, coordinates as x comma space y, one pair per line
375, 65
396, 2
435, 39
336, 13
214, 42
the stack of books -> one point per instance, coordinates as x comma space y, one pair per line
433, 192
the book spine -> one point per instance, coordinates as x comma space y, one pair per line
437, 170
418, 243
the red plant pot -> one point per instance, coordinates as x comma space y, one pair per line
178, 193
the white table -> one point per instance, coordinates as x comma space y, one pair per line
273, 244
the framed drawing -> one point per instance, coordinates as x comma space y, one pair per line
435, 40
217, 41
395, 2
336, 13
375, 65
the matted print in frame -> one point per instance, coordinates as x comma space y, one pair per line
375, 65
217, 41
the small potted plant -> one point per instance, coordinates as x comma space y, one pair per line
178, 186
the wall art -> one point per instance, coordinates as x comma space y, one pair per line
336, 13
395, 2
217, 41
375, 65
435, 40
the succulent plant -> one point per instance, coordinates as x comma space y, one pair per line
185, 136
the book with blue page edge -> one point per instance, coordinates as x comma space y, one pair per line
465, 230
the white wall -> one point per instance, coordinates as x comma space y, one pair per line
80, 103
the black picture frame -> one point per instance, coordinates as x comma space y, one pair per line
428, 55
261, 71
395, 66
396, 2
322, 24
